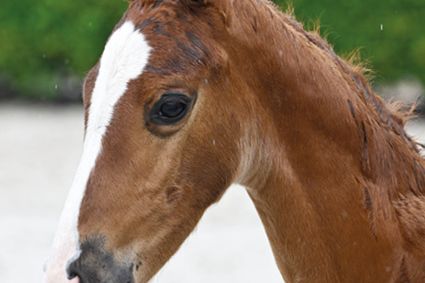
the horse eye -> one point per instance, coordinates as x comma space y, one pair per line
170, 109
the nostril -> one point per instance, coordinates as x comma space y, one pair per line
74, 272
73, 275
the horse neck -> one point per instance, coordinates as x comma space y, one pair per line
325, 189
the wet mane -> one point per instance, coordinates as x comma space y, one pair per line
393, 115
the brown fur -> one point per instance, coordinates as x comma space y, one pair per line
339, 185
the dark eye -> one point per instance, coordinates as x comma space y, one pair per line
170, 109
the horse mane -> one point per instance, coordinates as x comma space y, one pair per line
394, 114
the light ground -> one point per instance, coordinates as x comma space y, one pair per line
39, 151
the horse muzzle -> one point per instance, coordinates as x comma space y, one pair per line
96, 265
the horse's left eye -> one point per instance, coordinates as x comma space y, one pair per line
170, 109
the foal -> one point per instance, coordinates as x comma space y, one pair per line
191, 96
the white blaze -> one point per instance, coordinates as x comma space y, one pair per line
125, 56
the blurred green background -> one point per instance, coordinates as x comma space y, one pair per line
47, 46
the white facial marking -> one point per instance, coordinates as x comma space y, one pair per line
125, 56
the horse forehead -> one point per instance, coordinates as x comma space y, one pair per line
125, 56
